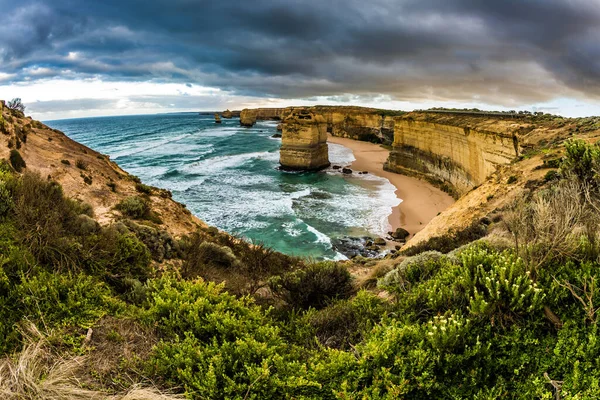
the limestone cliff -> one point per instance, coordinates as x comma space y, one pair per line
247, 117
359, 123
461, 156
304, 141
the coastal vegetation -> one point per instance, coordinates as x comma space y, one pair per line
211, 316
124, 308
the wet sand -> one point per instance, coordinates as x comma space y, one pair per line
421, 201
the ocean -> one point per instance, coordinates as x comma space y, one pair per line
227, 176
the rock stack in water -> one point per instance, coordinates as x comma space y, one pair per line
248, 117
227, 114
304, 141
217, 119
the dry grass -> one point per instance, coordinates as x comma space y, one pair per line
38, 373
550, 225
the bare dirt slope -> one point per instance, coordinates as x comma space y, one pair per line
85, 174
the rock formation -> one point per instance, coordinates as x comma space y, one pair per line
359, 123
461, 156
217, 119
227, 114
247, 117
304, 141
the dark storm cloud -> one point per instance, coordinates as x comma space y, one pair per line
501, 52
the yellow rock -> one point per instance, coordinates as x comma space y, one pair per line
458, 155
304, 141
248, 117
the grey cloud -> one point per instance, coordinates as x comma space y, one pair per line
507, 52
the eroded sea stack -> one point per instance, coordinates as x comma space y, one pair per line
248, 117
304, 141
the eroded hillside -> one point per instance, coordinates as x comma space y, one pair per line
85, 174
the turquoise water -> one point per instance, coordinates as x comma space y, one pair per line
227, 176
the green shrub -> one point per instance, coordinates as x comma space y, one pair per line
315, 286
65, 299
201, 258
551, 176
159, 242
134, 207
6, 201
581, 159
44, 217
87, 179
346, 322
79, 163
112, 186
16, 160
218, 346
411, 271
66, 162
511, 179
53, 301
502, 288
116, 256
140, 187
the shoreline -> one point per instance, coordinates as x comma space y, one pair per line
420, 201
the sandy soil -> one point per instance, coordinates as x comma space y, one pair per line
421, 201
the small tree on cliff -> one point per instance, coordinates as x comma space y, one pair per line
16, 105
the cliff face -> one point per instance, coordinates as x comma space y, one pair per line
359, 123
460, 156
248, 116
304, 141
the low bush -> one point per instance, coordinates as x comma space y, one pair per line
551, 176
314, 286
411, 271
450, 240
140, 187
79, 163
134, 207
16, 160
217, 346
345, 323
159, 242
66, 162
202, 258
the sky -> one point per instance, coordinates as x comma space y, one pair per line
77, 58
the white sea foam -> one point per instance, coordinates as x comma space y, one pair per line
219, 164
321, 237
339, 154
219, 132
136, 149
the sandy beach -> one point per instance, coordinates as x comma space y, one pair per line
420, 200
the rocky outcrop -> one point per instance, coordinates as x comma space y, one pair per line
304, 141
217, 119
247, 117
227, 114
359, 123
461, 156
